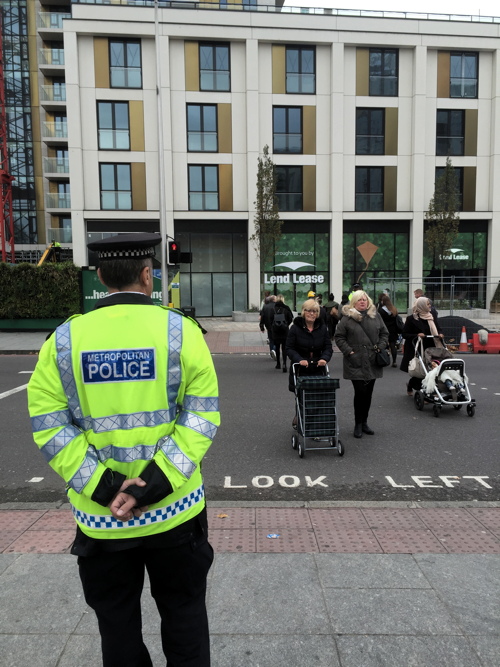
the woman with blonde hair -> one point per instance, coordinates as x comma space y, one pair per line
308, 342
359, 335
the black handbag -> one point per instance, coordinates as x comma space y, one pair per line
382, 358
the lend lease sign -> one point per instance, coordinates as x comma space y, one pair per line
118, 365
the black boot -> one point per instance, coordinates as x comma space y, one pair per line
366, 429
277, 366
284, 369
358, 431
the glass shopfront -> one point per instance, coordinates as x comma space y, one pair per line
300, 263
378, 259
215, 283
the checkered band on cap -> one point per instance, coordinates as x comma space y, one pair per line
133, 253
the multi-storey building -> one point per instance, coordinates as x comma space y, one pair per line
168, 108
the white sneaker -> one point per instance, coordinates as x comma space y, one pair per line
273, 355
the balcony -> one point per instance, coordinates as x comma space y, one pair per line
55, 133
59, 235
56, 165
50, 24
51, 61
53, 98
58, 200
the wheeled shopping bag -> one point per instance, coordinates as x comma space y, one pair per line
316, 409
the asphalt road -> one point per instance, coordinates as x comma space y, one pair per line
412, 456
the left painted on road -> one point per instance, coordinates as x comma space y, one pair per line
415, 481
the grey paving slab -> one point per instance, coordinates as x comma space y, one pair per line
407, 652
6, 561
266, 593
43, 593
33, 650
487, 648
470, 587
274, 650
370, 571
85, 651
369, 611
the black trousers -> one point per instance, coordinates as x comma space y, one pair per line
281, 357
113, 582
363, 391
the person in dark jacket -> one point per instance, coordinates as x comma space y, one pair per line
359, 334
332, 319
308, 342
388, 313
280, 331
421, 323
266, 322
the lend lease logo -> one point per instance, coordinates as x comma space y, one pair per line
101, 366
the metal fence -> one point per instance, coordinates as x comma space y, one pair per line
453, 293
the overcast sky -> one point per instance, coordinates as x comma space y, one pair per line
467, 7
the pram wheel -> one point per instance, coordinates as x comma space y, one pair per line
436, 409
301, 449
295, 440
340, 448
471, 409
418, 399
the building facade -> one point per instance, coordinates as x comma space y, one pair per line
359, 112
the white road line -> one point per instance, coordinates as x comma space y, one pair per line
13, 391
26, 372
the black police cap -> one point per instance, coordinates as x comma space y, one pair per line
126, 246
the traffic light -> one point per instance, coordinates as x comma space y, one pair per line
174, 252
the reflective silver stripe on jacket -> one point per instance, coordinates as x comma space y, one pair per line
85, 471
176, 456
197, 423
59, 442
50, 420
126, 454
174, 356
201, 403
63, 348
146, 519
134, 420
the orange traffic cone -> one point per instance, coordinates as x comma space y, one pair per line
463, 347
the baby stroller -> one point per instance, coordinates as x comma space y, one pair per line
316, 410
444, 381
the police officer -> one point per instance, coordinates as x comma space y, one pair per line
124, 405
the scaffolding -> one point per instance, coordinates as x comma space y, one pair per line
6, 214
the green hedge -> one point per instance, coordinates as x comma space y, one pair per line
37, 292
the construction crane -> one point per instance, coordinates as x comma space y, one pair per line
6, 213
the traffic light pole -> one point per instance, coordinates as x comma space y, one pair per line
162, 204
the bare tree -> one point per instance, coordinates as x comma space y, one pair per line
267, 221
442, 217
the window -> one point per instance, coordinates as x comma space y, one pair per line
125, 64
214, 66
463, 74
384, 72
289, 188
300, 69
248, 4
450, 132
459, 180
58, 89
203, 188
62, 161
113, 126
370, 131
116, 187
61, 126
287, 129
202, 127
369, 189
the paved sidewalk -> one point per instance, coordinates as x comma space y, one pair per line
332, 586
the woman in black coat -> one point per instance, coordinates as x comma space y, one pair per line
308, 342
388, 313
421, 323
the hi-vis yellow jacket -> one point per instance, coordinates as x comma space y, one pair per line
119, 391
